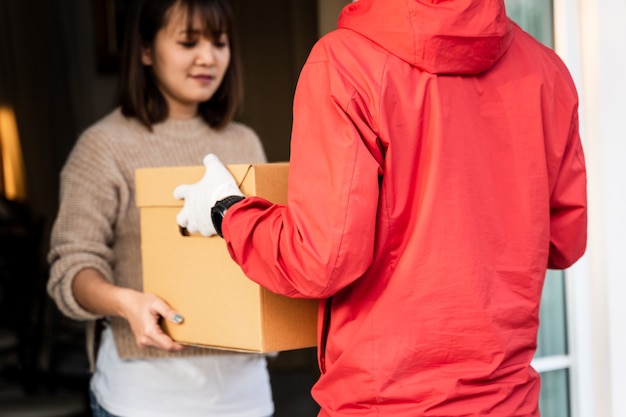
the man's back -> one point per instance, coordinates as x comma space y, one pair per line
434, 178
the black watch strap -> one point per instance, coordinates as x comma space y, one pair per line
219, 210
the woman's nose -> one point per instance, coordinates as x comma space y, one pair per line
206, 53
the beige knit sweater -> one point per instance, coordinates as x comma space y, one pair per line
98, 222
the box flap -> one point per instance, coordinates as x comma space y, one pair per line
270, 182
155, 186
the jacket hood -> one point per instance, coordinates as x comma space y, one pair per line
437, 36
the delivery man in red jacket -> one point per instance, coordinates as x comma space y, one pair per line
436, 171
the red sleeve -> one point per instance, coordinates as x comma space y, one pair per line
323, 240
568, 206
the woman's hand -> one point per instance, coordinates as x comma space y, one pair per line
143, 312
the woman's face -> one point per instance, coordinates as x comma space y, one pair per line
188, 66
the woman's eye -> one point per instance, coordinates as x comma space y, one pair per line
221, 41
188, 44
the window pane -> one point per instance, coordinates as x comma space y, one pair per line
554, 397
535, 17
552, 336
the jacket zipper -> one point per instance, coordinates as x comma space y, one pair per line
325, 330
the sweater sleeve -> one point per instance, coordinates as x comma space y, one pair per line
82, 234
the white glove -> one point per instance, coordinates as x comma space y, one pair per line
216, 184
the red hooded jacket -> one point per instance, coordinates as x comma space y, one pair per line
436, 172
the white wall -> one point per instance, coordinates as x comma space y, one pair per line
591, 38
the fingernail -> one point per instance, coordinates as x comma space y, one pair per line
177, 318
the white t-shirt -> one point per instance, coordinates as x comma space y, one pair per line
199, 386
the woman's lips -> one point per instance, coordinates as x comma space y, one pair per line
203, 78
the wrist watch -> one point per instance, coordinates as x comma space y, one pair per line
219, 210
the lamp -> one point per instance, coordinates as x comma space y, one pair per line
12, 178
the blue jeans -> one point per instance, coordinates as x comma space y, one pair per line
97, 409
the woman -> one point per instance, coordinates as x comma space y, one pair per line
180, 87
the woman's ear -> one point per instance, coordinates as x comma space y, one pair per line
146, 56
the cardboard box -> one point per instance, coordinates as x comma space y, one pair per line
221, 307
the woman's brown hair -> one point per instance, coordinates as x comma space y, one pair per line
139, 95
